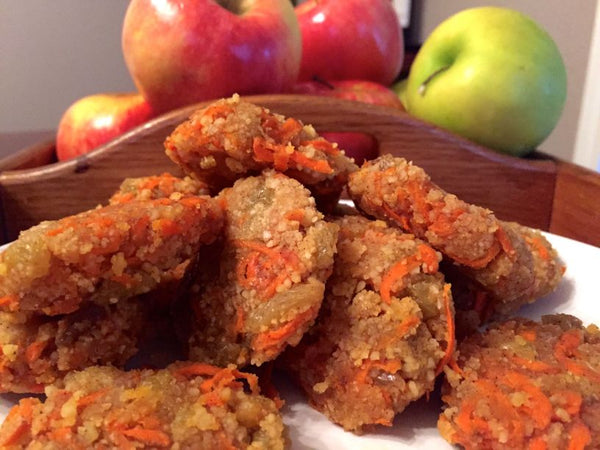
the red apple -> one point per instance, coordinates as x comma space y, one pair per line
357, 145
350, 39
96, 119
360, 90
185, 51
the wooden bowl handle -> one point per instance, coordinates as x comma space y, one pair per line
502, 183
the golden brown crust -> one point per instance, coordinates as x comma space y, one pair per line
38, 350
158, 186
267, 286
525, 384
384, 331
495, 266
185, 406
106, 253
232, 138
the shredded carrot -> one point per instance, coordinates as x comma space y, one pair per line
534, 366
226, 377
453, 364
295, 215
281, 132
505, 243
263, 275
238, 325
198, 369
118, 440
406, 325
504, 408
450, 330
541, 408
443, 224
322, 145
91, 398
270, 341
22, 414
34, 350
528, 335
536, 243
538, 443
268, 152
124, 279
402, 329
318, 165
483, 261
571, 401
7, 299
138, 230
425, 255
62, 435
417, 193
166, 227
402, 221
464, 419
147, 436
280, 151
220, 110
11, 302
364, 374
565, 348
579, 436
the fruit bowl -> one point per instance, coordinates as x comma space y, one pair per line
539, 191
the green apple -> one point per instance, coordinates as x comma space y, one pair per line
492, 75
399, 88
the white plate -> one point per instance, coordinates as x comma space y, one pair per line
416, 426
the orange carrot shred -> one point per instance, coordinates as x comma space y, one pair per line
571, 401
295, 215
91, 398
579, 436
322, 145
150, 437
566, 348
34, 350
535, 366
538, 443
504, 241
528, 335
273, 339
62, 435
9, 301
264, 276
538, 246
398, 271
23, 415
391, 366
453, 364
198, 369
318, 165
451, 336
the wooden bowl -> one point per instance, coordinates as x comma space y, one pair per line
538, 191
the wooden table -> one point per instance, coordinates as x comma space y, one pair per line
539, 191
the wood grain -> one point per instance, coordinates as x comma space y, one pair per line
516, 189
576, 206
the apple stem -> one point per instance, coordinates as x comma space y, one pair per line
431, 77
324, 82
